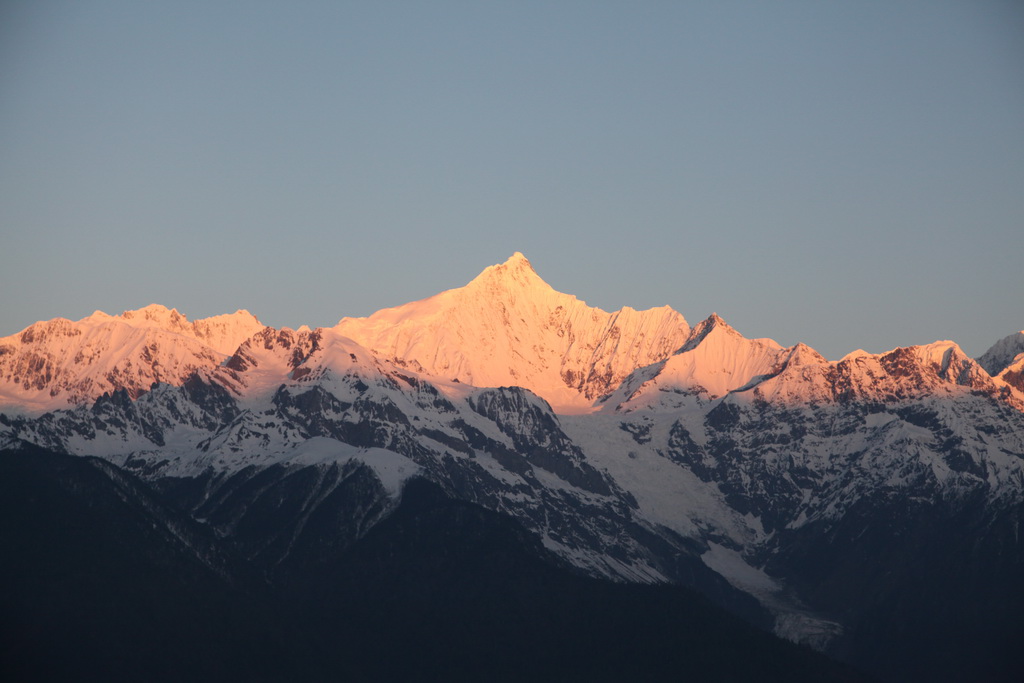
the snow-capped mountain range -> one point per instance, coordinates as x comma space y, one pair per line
57, 363
634, 446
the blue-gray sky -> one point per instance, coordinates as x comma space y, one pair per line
849, 175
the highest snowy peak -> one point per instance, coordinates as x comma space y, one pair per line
509, 327
516, 272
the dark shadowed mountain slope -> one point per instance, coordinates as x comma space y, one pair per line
445, 590
928, 591
102, 581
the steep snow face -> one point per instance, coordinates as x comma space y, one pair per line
58, 363
1013, 377
510, 328
1003, 353
715, 360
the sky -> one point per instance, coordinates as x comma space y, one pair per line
847, 175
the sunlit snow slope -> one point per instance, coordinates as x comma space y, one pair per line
57, 363
510, 328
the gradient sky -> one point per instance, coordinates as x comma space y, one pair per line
849, 175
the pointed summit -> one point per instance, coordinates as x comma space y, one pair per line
712, 323
517, 260
802, 354
514, 273
508, 327
714, 360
